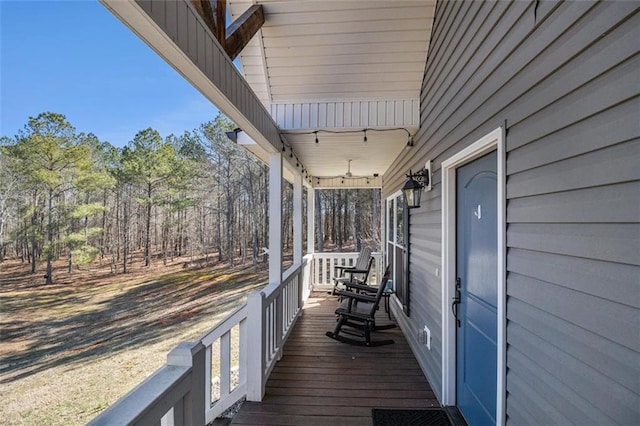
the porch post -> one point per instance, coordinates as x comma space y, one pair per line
275, 218
311, 225
297, 219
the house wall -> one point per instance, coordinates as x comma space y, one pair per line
565, 78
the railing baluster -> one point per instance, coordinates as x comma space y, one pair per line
207, 376
269, 333
283, 312
225, 364
316, 269
279, 323
243, 352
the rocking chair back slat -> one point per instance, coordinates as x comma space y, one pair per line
363, 259
360, 269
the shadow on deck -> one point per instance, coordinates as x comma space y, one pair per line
320, 381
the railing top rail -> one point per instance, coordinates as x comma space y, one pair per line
343, 255
336, 254
142, 400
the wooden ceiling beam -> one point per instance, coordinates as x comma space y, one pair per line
243, 29
206, 11
221, 22
239, 33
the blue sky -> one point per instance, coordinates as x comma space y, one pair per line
76, 58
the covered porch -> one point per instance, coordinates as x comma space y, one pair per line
357, 94
320, 381
273, 352
336, 134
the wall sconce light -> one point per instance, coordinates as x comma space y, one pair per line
418, 181
233, 135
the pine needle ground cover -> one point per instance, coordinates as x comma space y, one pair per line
70, 349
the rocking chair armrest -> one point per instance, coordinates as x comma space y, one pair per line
359, 297
363, 287
356, 271
351, 270
342, 267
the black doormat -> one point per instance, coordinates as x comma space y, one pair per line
431, 417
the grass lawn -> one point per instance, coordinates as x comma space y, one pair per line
69, 350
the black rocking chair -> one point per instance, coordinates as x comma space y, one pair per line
356, 316
360, 270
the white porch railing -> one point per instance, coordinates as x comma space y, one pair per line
324, 266
202, 379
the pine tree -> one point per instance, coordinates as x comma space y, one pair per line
52, 161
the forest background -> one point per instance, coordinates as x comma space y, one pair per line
110, 256
69, 195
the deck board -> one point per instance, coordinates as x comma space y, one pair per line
320, 381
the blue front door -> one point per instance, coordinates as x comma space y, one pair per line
476, 263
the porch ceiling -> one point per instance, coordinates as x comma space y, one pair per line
340, 65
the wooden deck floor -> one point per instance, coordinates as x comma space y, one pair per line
320, 381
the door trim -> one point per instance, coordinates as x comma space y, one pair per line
490, 142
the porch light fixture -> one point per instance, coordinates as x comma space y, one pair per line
418, 181
233, 135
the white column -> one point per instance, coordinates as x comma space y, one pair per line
311, 217
275, 218
297, 218
255, 346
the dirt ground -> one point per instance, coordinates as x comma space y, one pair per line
70, 349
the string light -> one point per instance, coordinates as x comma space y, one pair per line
410, 142
365, 130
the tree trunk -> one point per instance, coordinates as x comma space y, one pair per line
319, 227
333, 217
34, 240
147, 239
125, 231
104, 225
345, 221
375, 222
49, 275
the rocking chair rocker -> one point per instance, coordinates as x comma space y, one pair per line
356, 316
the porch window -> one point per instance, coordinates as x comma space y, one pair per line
396, 247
